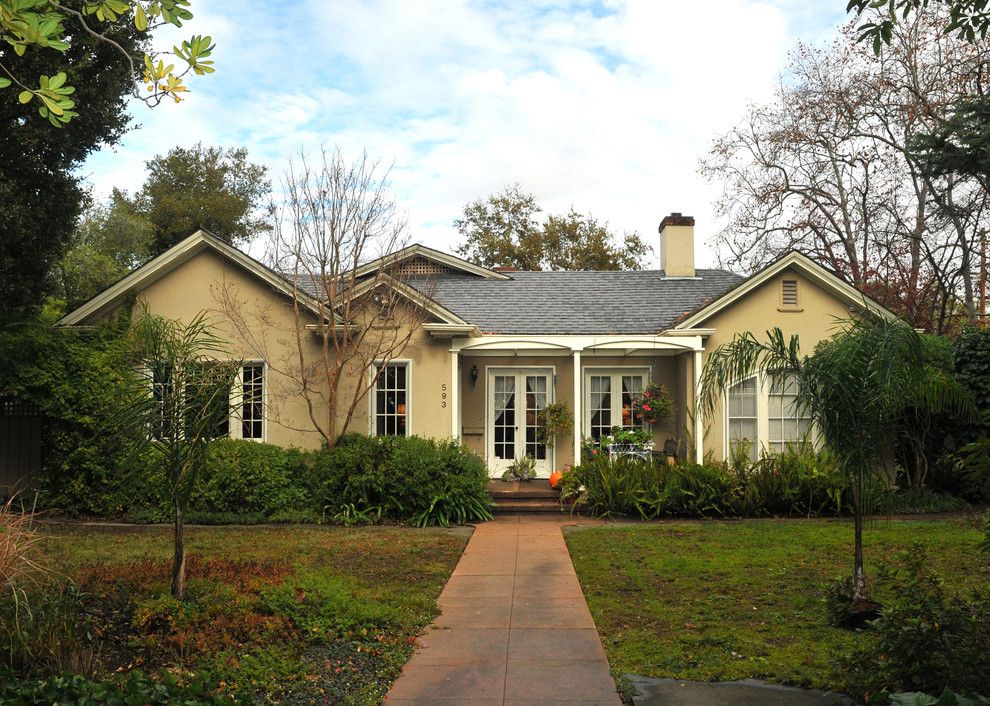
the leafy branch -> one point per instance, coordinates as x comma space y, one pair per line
33, 25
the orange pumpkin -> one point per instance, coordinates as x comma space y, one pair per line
555, 478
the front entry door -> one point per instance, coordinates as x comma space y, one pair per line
514, 397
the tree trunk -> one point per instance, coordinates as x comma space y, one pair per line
179, 557
859, 572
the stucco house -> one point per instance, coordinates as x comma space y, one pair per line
495, 345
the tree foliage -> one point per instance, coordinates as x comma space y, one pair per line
828, 168
110, 240
47, 30
504, 231
968, 19
216, 189
39, 188
855, 388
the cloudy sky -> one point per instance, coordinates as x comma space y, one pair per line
605, 106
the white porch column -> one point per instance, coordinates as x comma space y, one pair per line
699, 427
455, 396
578, 422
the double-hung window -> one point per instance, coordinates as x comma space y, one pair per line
743, 418
390, 401
762, 413
609, 395
788, 423
252, 401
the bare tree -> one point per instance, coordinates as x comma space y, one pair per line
336, 239
826, 168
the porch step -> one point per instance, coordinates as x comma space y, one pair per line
534, 496
527, 506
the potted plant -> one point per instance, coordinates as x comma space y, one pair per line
522, 469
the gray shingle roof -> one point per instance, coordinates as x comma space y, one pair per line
588, 303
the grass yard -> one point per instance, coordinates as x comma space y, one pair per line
277, 614
716, 601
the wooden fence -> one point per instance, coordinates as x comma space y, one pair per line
20, 445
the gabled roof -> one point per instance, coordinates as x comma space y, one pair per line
826, 279
419, 297
580, 303
447, 260
172, 258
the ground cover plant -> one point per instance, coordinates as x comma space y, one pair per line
747, 599
274, 614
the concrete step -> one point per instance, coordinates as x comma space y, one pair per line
528, 505
535, 489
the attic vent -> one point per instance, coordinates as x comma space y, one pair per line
789, 293
419, 266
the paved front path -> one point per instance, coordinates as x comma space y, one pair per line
514, 627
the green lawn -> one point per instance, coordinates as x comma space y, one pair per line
278, 614
732, 600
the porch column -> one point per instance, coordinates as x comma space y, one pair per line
578, 424
455, 396
699, 427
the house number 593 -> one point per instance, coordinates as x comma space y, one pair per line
443, 396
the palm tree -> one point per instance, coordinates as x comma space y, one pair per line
854, 388
183, 404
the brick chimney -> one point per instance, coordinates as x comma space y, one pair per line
677, 245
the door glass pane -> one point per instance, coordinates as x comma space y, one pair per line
505, 417
536, 399
632, 388
600, 407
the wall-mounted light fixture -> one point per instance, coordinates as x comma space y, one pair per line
474, 375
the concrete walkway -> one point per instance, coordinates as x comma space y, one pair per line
514, 627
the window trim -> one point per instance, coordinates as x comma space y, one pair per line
372, 394
762, 417
614, 371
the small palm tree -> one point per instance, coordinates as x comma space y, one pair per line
183, 405
853, 388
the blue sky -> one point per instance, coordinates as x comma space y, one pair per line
604, 105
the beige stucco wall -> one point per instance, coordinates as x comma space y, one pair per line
258, 323
760, 310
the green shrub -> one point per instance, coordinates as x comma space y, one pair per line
402, 478
927, 639
134, 688
250, 477
912, 500
797, 482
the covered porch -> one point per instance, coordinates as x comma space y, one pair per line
499, 383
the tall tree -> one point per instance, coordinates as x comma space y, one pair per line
969, 19
110, 240
211, 188
39, 190
45, 32
827, 168
504, 231
346, 324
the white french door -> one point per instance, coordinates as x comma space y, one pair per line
515, 396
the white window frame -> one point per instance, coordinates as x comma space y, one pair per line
763, 386
616, 372
373, 394
236, 429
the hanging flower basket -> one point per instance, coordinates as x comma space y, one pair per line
653, 406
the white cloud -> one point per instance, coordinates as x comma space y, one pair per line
602, 106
